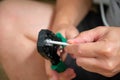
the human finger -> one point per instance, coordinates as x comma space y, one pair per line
95, 65
85, 49
68, 74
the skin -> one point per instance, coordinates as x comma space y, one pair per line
20, 21
20, 59
97, 47
19, 28
67, 17
97, 50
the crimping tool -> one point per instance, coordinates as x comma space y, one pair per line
48, 44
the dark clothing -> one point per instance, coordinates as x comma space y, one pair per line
86, 75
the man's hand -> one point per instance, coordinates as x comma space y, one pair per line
68, 31
97, 50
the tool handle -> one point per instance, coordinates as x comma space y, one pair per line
60, 67
59, 35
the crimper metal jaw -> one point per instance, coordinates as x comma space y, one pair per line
48, 51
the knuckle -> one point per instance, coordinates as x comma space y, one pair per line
107, 50
110, 67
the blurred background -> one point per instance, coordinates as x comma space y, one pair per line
3, 76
